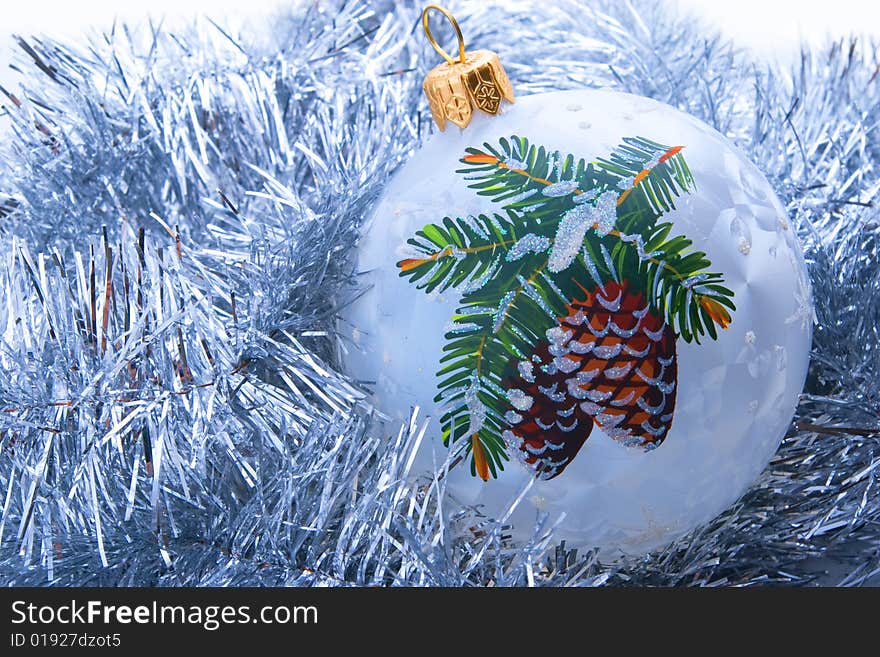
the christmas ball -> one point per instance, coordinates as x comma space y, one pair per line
595, 297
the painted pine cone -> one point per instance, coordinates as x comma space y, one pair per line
610, 361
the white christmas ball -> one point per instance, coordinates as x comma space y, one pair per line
715, 423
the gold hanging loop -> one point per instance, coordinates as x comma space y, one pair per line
445, 55
476, 80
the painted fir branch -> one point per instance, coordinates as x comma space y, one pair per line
563, 224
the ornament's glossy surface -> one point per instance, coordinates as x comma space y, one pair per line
735, 395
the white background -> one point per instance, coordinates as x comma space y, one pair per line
771, 26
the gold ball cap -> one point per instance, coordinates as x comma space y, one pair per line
476, 80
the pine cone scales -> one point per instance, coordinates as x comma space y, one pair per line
610, 361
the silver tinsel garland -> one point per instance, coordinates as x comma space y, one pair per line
179, 212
